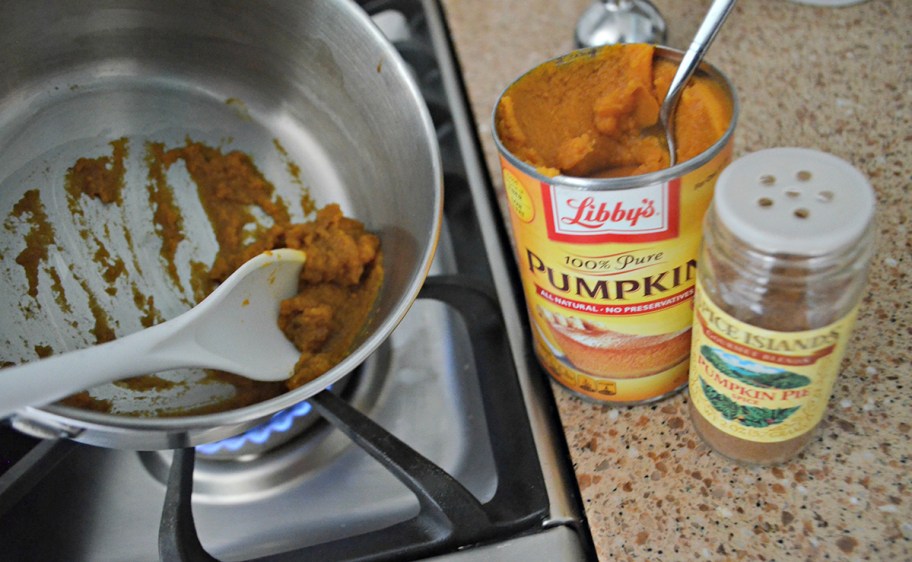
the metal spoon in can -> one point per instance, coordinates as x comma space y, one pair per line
707, 31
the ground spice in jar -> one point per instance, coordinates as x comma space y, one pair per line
787, 244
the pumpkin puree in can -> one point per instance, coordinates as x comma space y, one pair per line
606, 234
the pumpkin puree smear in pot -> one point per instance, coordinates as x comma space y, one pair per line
338, 285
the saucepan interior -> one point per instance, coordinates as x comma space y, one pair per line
311, 91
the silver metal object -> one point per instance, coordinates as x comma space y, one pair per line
331, 489
312, 84
607, 22
707, 31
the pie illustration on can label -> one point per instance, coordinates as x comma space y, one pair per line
598, 350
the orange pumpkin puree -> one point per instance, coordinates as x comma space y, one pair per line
339, 283
584, 115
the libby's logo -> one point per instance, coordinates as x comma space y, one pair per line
643, 214
592, 216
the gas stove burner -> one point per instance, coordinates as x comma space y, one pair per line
455, 383
281, 426
275, 453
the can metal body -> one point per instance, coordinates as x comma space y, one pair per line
608, 267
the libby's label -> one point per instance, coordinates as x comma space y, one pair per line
762, 385
609, 277
647, 213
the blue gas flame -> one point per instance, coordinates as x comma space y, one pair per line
278, 423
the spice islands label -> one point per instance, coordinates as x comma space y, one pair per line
762, 385
608, 278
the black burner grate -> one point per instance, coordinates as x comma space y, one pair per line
450, 517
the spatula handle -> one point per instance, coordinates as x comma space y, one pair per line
46, 380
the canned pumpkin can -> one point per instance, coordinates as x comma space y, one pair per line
606, 234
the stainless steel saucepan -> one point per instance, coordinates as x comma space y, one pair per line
312, 91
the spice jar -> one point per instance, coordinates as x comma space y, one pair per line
783, 266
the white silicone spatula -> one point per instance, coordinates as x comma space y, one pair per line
234, 329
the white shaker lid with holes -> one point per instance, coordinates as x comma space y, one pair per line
794, 201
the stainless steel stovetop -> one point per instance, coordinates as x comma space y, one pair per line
456, 382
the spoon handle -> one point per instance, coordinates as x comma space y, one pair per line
709, 28
158, 348
234, 329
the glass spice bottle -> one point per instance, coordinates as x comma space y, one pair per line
787, 244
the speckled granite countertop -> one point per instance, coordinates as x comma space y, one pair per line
834, 79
